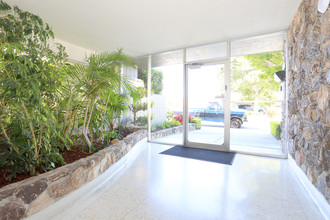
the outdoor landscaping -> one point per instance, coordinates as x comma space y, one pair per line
177, 121
275, 129
53, 112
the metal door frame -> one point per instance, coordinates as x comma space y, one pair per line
226, 145
226, 61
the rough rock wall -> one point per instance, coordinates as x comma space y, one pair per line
309, 89
24, 198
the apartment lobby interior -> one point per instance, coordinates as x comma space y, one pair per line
293, 183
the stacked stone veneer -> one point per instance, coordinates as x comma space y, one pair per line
309, 89
171, 131
29, 196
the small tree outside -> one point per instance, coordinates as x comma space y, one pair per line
138, 104
156, 80
253, 76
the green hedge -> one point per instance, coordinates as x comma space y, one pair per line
198, 122
165, 124
275, 129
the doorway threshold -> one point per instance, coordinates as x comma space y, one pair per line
258, 151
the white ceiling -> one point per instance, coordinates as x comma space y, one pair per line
144, 27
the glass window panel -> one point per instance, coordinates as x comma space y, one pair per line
167, 104
206, 102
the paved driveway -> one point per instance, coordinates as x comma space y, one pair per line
255, 133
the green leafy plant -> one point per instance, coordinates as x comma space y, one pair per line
47, 104
124, 123
156, 80
115, 104
198, 122
174, 123
160, 126
275, 129
169, 115
110, 135
253, 76
138, 105
143, 120
165, 124
30, 78
102, 74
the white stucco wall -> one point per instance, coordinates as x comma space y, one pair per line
75, 53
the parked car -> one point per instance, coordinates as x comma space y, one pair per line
251, 108
214, 112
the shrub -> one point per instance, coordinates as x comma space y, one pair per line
198, 122
45, 103
179, 118
160, 126
110, 135
169, 115
138, 105
275, 129
156, 80
271, 112
165, 124
175, 123
143, 120
31, 74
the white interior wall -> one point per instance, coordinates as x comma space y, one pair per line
76, 53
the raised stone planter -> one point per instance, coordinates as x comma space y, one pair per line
24, 198
171, 131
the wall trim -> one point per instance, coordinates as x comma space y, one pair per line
317, 197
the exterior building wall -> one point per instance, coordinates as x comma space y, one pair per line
75, 53
158, 110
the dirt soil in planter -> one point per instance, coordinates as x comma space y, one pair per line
71, 156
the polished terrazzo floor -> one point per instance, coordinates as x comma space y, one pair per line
156, 186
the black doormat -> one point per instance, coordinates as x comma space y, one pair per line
201, 154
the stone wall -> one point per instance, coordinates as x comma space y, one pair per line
309, 89
29, 196
170, 131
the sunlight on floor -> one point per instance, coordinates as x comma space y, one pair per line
155, 186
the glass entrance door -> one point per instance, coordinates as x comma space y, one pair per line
206, 107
